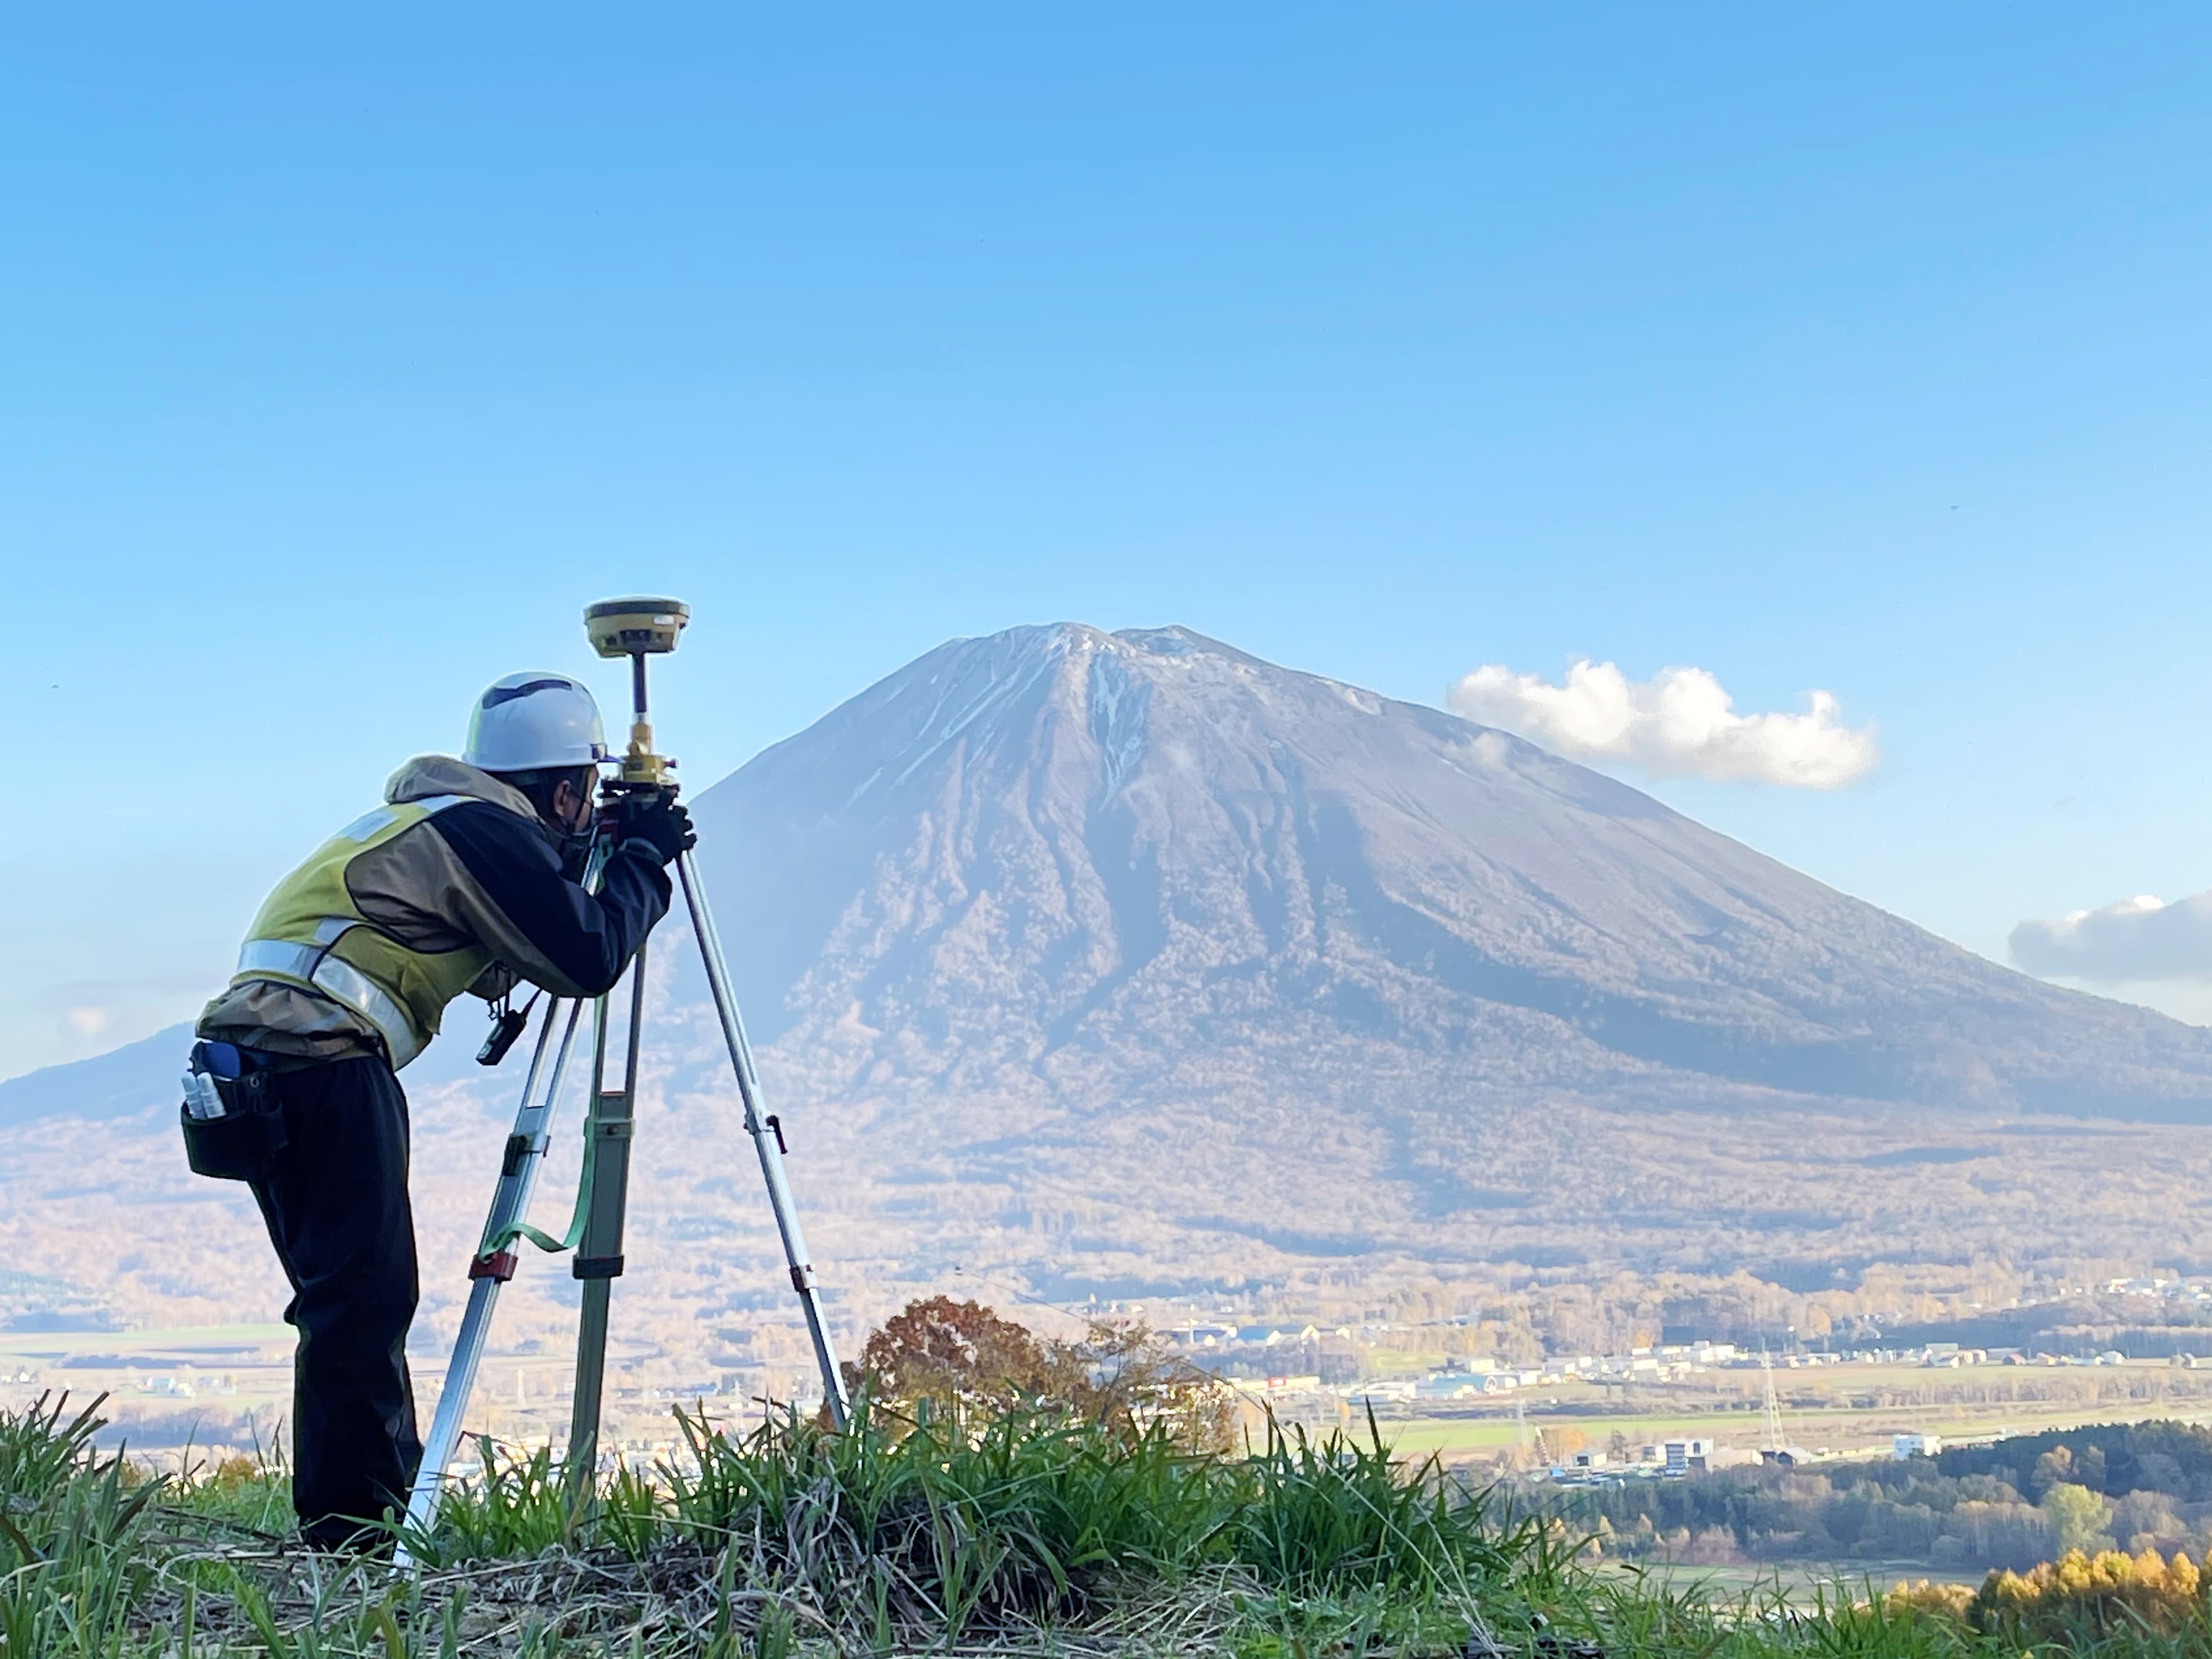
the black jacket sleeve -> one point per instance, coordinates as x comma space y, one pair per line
544, 926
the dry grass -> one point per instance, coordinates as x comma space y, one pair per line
1016, 1535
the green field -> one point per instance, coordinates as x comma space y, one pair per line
174, 1339
1726, 1408
1798, 1582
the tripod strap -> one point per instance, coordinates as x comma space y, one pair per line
496, 1239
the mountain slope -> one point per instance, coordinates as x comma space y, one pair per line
1065, 866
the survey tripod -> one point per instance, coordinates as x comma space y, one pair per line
636, 629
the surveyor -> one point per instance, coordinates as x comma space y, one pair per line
467, 878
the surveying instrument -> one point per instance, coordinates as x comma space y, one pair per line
636, 629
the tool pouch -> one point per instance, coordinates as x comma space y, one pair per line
242, 1143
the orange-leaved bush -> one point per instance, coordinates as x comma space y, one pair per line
2097, 1594
962, 1356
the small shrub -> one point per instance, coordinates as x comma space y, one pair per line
964, 1357
2080, 1595
1946, 1601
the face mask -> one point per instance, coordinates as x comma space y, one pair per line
573, 845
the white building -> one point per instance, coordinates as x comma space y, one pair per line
1681, 1457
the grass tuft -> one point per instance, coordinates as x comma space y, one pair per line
1027, 1532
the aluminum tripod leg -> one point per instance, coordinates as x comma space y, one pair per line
525, 1156
598, 1259
767, 1140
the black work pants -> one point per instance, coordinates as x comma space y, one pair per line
335, 1199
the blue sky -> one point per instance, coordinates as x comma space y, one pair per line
348, 353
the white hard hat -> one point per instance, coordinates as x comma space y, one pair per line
535, 722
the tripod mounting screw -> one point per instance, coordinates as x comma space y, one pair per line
636, 627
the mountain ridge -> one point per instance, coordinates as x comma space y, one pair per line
1587, 905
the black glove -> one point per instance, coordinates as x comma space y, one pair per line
659, 821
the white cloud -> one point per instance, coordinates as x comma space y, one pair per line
2141, 938
1679, 723
86, 1022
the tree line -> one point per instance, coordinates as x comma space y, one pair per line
2012, 1504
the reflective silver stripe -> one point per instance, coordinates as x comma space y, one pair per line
276, 956
368, 823
379, 818
363, 994
342, 981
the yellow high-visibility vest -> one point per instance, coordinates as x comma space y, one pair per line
310, 934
